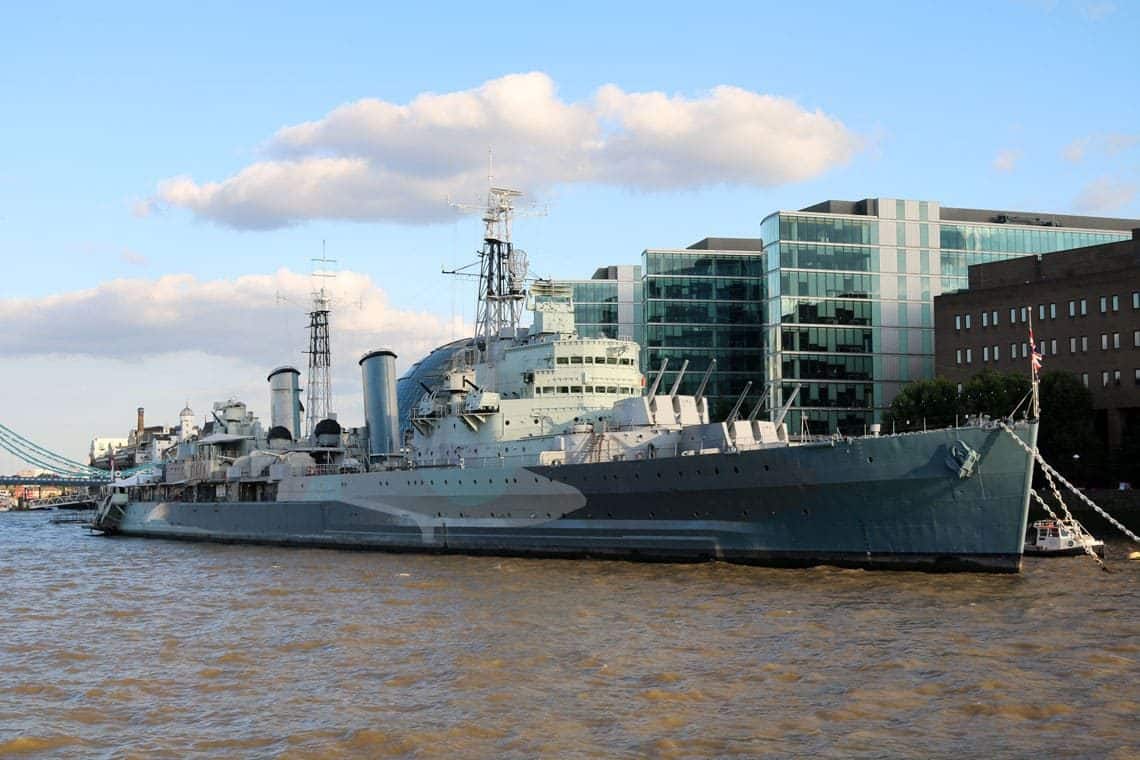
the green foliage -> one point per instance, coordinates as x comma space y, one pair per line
1066, 414
934, 403
1067, 426
937, 403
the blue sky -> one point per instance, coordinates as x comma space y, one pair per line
1026, 105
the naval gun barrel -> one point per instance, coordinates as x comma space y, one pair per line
739, 402
705, 380
677, 382
657, 380
756, 409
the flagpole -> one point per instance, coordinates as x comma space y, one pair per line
1033, 369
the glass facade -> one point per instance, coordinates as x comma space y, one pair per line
849, 299
700, 304
609, 305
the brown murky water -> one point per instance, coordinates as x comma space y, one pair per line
140, 648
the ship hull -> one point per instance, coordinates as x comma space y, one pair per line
905, 502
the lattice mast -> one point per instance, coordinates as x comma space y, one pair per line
502, 271
318, 396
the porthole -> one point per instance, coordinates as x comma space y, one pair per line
765, 468
870, 460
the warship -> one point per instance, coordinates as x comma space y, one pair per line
537, 441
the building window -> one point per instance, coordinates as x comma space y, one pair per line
1084, 344
1012, 350
1053, 347
985, 353
993, 318
1103, 305
967, 321
1104, 379
1137, 374
1072, 308
1085, 379
958, 356
1136, 338
1104, 341
1041, 345
1041, 311
1052, 311
1116, 340
1136, 300
1116, 303
1024, 350
985, 319
1116, 377
957, 321
1013, 316
1073, 345
1084, 307
969, 356
997, 353
1024, 313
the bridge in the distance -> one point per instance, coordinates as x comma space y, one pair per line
55, 469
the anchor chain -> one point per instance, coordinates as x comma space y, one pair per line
1048, 470
1087, 549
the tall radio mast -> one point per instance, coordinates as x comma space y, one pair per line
319, 392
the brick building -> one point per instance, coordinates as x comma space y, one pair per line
1085, 309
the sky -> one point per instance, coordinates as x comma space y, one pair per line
168, 173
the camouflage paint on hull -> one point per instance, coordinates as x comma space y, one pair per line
889, 502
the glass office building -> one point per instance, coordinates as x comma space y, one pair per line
609, 304
701, 302
848, 307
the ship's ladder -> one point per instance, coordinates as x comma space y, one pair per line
1052, 477
110, 513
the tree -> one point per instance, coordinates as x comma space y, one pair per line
1067, 426
995, 394
933, 403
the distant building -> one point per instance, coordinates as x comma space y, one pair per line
608, 305
1085, 308
702, 302
851, 287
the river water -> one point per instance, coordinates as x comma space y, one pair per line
141, 648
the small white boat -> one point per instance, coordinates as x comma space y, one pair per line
1060, 538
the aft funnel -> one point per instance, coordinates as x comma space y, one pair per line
285, 400
380, 410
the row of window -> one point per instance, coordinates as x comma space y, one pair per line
1081, 306
705, 288
1110, 377
1046, 347
708, 312
1019, 240
593, 360
704, 264
552, 390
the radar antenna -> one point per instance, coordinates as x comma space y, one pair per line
502, 267
319, 393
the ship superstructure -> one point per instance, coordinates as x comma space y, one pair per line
537, 441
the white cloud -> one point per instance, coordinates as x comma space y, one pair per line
375, 160
133, 258
1075, 151
1006, 160
1105, 195
90, 357
1097, 11
1116, 142
254, 318
1108, 143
